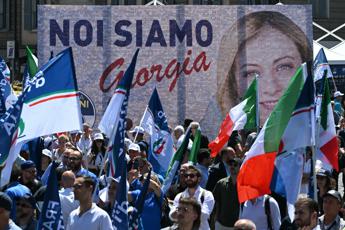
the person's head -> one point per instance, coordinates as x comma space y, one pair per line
332, 203
5, 209
25, 207
249, 141
98, 142
141, 164
137, 133
178, 131
194, 126
112, 188
86, 129
234, 166
192, 176
133, 151
263, 43
67, 179
182, 172
306, 211
188, 211
341, 123
323, 179
204, 157
83, 188
46, 159
29, 171
244, 224
65, 156
227, 154
75, 160
62, 140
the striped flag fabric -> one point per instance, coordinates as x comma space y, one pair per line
256, 172
327, 143
155, 123
320, 65
288, 170
9, 123
111, 117
176, 161
52, 102
242, 116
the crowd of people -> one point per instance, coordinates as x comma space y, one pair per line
203, 195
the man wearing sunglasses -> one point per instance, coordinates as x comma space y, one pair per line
193, 190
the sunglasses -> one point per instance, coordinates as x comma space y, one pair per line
73, 158
189, 175
77, 186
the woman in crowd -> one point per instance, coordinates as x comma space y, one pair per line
97, 153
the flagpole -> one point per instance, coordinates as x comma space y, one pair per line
257, 112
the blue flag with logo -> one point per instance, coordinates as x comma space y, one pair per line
51, 215
9, 123
155, 123
119, 215
7, 96
320, 65
134, 219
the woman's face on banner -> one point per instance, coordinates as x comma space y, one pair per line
274, 58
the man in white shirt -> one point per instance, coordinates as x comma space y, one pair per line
68, 204
204, 197
88, 215
260, 210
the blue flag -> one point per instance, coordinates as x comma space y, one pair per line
51, 215
7, 96
134, 219
9, 123
155, 123
320, 65
119, 215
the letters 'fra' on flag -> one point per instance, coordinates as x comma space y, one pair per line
288, 168
320, 65
256, 172
110, 120
51, 215
52, 102
242, 116
155, 123
175, 162
327, 143
9, 123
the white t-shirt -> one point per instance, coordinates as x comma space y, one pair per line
95, 218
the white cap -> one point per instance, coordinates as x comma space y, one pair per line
47, 153
134, 147
98, 136
137, 129
338, 94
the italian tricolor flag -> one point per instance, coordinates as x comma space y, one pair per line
256, 172
327, 141
242, 116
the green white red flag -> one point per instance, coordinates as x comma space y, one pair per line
242, 116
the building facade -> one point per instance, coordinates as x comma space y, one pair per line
18, 22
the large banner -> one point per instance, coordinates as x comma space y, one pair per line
200, 58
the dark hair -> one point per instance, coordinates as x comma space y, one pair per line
203, 154
196, 207
89, 181
309, 203
94, 150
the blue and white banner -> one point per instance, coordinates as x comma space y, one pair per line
320, 65
155, 123
51, 214
7, 96
119, 215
